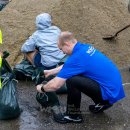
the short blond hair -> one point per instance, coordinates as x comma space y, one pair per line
66, 36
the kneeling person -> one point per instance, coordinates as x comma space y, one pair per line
86, 70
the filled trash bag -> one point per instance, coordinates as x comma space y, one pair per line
9, 107
47, 99
50, 99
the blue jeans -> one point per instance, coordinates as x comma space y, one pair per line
37, 62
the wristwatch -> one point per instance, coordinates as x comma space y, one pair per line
42, 89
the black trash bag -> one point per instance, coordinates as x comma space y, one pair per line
38, 75
9, 107
5, 66
24, 70
47, 99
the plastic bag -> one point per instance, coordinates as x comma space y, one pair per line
9, 107
26, 71
47, 99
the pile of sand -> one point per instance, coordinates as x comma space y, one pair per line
90, 20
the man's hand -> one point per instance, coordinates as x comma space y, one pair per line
51, 86
54, 71
39, 88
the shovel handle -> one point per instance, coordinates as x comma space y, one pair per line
122, 29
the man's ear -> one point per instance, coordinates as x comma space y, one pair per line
67, 43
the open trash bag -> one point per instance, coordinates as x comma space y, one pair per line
9, 107
47, 99
26, 71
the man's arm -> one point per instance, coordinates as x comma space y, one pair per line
29, 45
52, 85
54, 71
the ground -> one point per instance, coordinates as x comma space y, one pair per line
90, 21
115, 118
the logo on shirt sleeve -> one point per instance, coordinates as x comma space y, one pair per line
91, 50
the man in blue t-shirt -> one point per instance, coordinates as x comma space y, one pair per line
86, 70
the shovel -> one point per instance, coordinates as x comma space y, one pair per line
112, 37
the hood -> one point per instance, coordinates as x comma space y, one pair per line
43, 21
3, 3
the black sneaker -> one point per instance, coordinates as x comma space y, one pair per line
57, 114
99, 107
62, 118
70, 119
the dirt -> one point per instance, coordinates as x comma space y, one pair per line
115, 118
88, 20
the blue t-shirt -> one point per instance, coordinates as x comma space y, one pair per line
87, 61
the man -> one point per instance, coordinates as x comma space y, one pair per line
41, 48
86, 70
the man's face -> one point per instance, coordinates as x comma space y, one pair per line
64, 47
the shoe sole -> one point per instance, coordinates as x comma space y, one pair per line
72, 120
100, 111
67, 121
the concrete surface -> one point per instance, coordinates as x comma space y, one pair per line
116, 118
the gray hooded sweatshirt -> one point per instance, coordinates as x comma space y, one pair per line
45, 39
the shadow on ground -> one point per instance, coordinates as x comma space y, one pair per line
116, 118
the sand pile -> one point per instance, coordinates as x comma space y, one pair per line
90, 20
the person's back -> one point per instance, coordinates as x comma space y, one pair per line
89, 62
45, 40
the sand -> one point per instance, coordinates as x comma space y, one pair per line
89, 20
